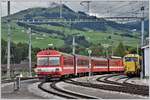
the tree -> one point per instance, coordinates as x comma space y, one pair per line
19, 52
3, 51
34, 52
120, 50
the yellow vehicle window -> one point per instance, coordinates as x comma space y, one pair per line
131, 59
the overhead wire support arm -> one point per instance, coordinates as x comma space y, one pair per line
79, 20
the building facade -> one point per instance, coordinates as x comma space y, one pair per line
146, 63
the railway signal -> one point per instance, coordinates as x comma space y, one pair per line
89, 52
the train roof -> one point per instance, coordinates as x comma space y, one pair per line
99, 58
48, 52
81, 56
116, 57
51, 52
131, 55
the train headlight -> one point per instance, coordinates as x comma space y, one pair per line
57, 69
39, 70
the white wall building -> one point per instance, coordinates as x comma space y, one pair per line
146, 62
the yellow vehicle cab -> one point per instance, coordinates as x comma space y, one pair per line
132, 64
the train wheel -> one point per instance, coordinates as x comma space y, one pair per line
129, 74
138, 73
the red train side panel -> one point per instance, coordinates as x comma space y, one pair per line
68, 64
116, 65
82, 64
99, 65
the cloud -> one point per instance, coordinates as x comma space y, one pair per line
99, 8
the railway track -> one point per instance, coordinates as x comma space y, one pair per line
123, 87
62, 93
125, 83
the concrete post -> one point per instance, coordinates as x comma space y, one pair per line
142, 42
8, 42
89, 52
17, 83
30, 66
73, 44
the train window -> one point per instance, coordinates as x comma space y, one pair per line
68, 61
42, 61
100, 63
131, 59
83, 62
54, 61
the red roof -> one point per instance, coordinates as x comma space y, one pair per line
48, 52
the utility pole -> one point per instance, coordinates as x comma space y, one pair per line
142, 40
112, 52
73, 52
61, 7
89, 52
142, 27
30, 66
73, 39
88, 5
8, 41
73, 44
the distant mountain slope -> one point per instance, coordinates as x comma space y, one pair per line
67, 13
137, 25
90, 32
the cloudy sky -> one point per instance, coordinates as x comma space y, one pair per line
97, 7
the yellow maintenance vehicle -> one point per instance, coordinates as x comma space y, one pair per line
132, 64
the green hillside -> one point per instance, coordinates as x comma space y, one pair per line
60, 34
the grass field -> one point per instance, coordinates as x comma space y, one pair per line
42, 40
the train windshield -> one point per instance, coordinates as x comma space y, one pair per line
131, 59
54, 61
42, 61
45, 61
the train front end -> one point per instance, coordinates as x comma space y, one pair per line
132, 64
48, 64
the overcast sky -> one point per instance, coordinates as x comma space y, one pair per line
97, 7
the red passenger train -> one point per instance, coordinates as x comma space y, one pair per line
52, 63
